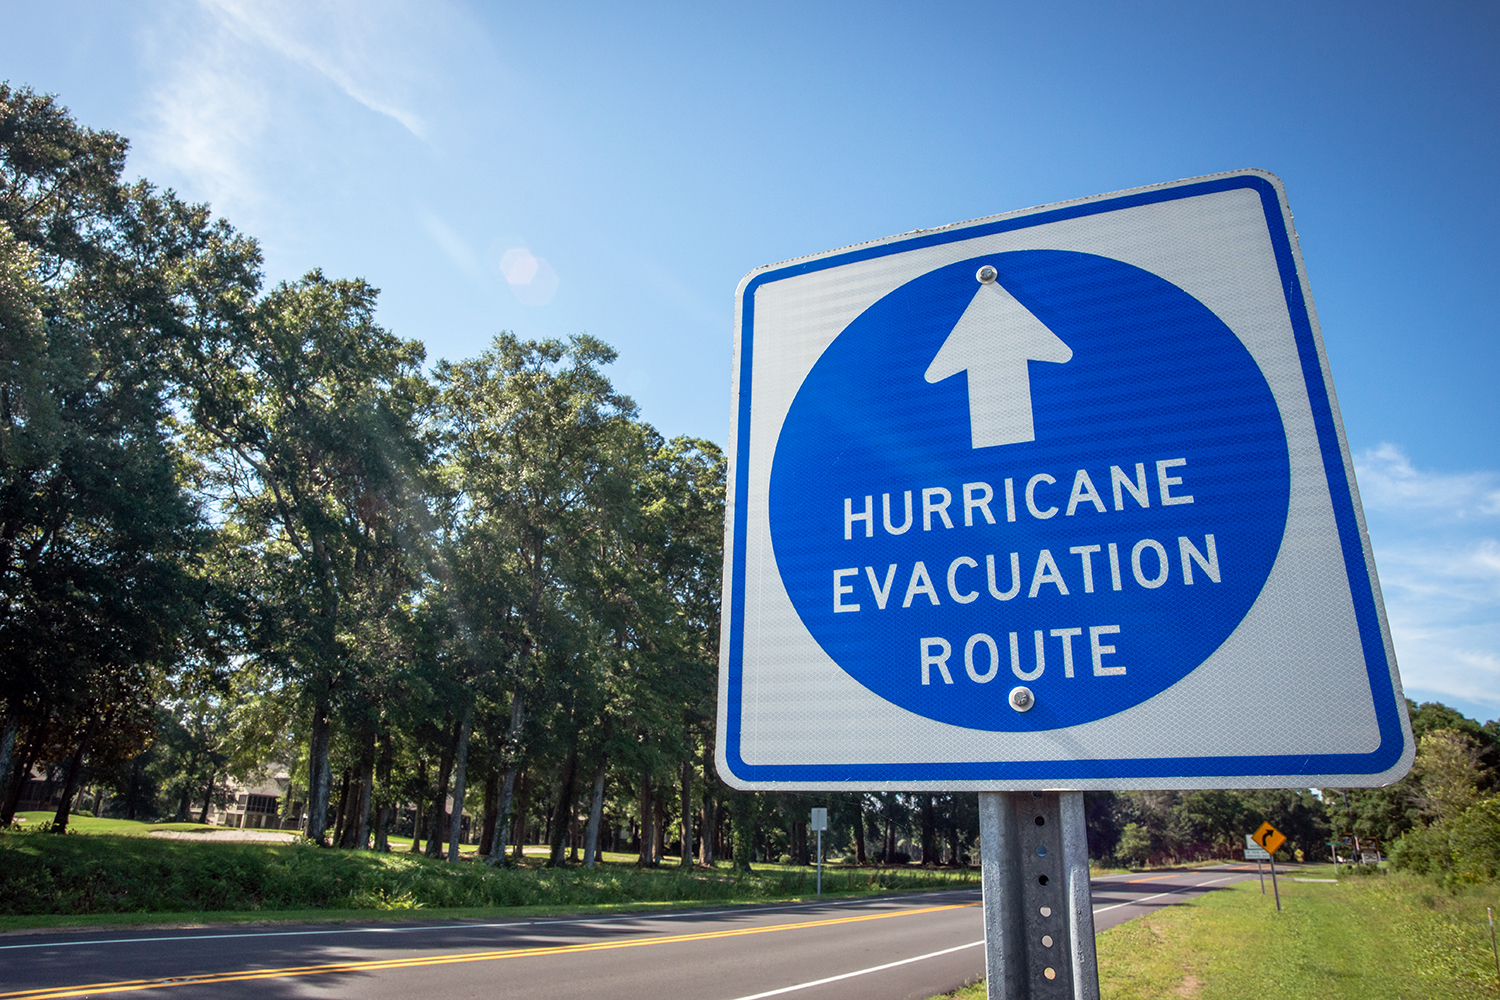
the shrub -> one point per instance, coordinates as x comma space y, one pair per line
1462, 850
65, 875
1474, 842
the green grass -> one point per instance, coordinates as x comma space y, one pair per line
1386, 937
48, 880
90, 826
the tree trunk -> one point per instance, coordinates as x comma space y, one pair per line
20, 774
460, 775
185, 800
7, 748
659, 828
439, 825
648, 836
491, 812
137, 778
75, 774
417, 811
319, 776
562, 813
341, 811
508, 786
687, 814
929, 830
596, 812
387, 812
744, 830
208, 795
518, 828
710, 827
859, 830
364, 802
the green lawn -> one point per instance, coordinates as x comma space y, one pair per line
1383, 937
116, 827
47, 880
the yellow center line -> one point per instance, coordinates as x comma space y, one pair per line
375, 965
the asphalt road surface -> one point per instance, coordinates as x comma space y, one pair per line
910, 946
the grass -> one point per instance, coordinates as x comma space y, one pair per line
48, 880
90, 826
1385, 937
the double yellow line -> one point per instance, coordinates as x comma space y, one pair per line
377, 965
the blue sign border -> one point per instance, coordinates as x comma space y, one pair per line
1388, 718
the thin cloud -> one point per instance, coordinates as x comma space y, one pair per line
1465, 573
1439, 562
367, 50
207, 117
1387, 479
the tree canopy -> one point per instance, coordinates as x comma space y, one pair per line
246, 529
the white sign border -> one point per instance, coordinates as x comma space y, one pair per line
1372, 767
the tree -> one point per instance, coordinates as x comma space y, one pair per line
529, 423
102, 285
305, 412
1447, 772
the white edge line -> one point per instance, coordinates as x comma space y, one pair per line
398, 929
1169, 892
521, 923
862, 972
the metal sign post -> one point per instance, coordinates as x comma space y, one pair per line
1257, 853
1267, 840
820, 823
1038, 910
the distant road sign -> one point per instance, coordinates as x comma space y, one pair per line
819, 819
1268, 837
1087, 562
1253, 851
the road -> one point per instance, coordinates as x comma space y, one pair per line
910, 946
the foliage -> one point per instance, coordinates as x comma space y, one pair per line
1464, 849
56, 875
102, 284
1447, 772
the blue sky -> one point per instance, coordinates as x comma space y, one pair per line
615, 169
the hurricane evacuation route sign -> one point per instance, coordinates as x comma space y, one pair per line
1055, 499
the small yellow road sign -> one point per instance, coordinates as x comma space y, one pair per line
1269, 837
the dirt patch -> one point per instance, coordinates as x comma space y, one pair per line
1188, 987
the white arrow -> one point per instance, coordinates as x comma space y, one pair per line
993, 341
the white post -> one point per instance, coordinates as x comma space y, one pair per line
820, 864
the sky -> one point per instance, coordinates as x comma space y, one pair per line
613, 169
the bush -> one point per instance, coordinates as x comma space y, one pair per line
1462, 850
103, 874
1423, 850
1474, 842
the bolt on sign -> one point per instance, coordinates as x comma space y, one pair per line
1053, 499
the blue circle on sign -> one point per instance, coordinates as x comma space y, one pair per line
1097, 563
